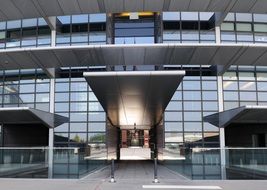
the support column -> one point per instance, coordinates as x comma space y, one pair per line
222, 132
51, 130
52, 22
218, 34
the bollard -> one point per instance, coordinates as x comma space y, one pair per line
155, 171
112, 178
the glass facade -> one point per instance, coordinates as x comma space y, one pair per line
134, 28
244, 28
81, 29
196, 97
188, 27
25, 88
75, 100
24, 33
244, 86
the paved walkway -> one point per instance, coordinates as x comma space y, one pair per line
136, 170
129, 176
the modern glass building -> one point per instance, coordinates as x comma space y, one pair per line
85, 82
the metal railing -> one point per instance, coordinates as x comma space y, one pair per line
33, 162
205, 163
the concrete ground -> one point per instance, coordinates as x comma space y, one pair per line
130, 175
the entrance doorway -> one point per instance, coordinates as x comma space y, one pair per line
134, 144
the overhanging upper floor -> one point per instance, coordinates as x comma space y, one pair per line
22, 9
224, 55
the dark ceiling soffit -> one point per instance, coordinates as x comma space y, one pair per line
225, 118
50, 120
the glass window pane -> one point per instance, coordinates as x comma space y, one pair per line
246, 75
61, 97
242, 27
171, 16
262, 86
192, 116
192, 106
228, 26
209, 85
25, 98
97, 116
209, 95
78, 127
14, 24
173, 116
97, 127
97, 18
78, 96
78, 106
248, 96
210, 106
193, 137
42, 106
26, 88
42, 97
260, 28
79, 86
244, 17
262, 76
192, 95
173, 137
62, 128
191, 85
74, 117
247, 86
42, 87
230, 95
61, 107
96, 137
78, 137
230, 85
192, 126
61, 87
173, 126
262, 96
260, 18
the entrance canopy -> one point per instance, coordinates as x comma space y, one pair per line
134, 97
26, 115
245, 114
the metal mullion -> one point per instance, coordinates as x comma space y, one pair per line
88, 29
69, 81
20, 33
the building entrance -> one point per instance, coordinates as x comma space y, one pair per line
134, 145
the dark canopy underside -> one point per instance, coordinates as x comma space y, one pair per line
134, 97
245, 114
26, 115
